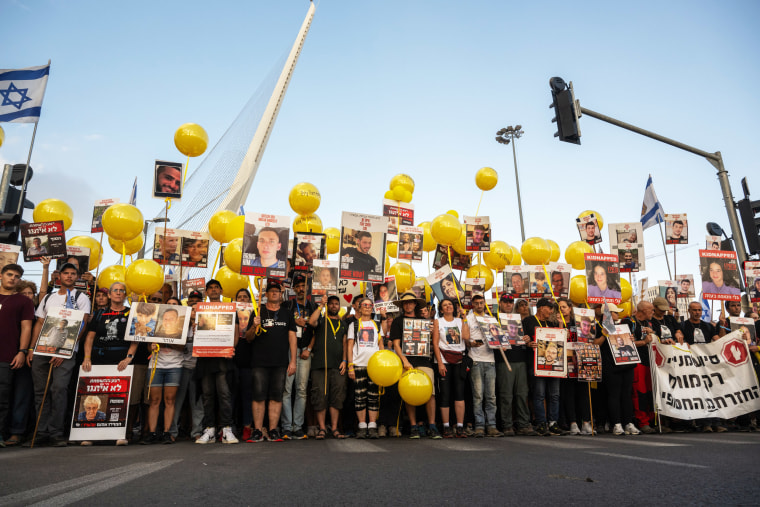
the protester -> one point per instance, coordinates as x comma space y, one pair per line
214, 291
449, 339
101, 299
642, 330
188, 387
364, 340
482, 375
243, 380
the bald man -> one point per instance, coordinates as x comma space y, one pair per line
643, 331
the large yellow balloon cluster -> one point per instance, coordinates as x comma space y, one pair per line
304, 199
401, 188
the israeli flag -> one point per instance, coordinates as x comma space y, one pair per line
241, 211
706, 316
651, 210
21, 92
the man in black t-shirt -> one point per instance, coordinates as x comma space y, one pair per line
361, 258
696, 330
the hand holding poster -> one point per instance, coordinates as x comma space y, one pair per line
215, 332
622, 347
416, 337
97, 213
59, 332
102, 402
676, 228
550, 359
410, 243
362, 247
720, 275
43, 239
588, 228
265, 245
78, 256
603, 278
478, 234
155, 323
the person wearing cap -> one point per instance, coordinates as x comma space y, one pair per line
328, 365
214, 291
273, 358
644, 332
482, 374
194, 297
543, 388
410, 309
670, 329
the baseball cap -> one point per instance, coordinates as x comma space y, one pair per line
213, 282
661, 304
330, 298
273, 284
195, 294
67, 265
614, 308
506, 297
298, 279
545, 302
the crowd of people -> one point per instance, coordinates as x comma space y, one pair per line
296, 361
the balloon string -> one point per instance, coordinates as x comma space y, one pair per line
216, 262
480, 201
97, 271
548, 279
187, 169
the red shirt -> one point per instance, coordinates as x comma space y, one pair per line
13, 309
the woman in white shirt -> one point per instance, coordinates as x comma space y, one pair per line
449, 338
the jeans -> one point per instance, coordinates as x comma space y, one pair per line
483, 378
187, 387
543, 386
513, 388
18, 382
292, 415
54, 416
216, 388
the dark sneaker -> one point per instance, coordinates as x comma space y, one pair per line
434, 433
256, 436
166, 438
373, 433
480, 432
509, 432
58, 442
554, 429
287, 435
299, 435
150, 439
274, 435
491, 431
528, 431
469, 431
543, 430
361, 433
647, 429
447, 432
460, 432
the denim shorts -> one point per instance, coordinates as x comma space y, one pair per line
165, 377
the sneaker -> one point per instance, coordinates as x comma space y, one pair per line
228, 437
382, 431
256, 436
208, 437
607, 428
274, 435
491, 431
631, 429
393, 432
299, 435
543, 430
720, 429
287, 435
246, 433
58, 442
166, 438
150, 439
574, 429
527, 431
460, 432
421, 430
647, 429
586, 429
433, 432
479, 432
618, 429
372, 432
361, 433
509, 432
414, 434
448, 432
554, 429
469, 431
707, 429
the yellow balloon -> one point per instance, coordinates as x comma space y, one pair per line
398, 193
144, 276
304, 198
626, 310
486, 178
51, 210
96, 252
404, 276
191, 139
392, 249
460, 245
415, 387
235, 228
428, 243
217, 225
387, 262
2, 136
332, 240
574, 254
233, 255
123, 221
128, 247
555, 250
481, 271
384, 368
389, 195
599, 219
407, 196
536, 251
516, 257
453, 213
307, 223
231, 282
404, 181
499, 256
112, 274
428, 290
626, 290
578, 289
445, 229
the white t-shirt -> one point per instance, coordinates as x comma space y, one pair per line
55, 300
450, 335
168, 357
367, 342
482, 354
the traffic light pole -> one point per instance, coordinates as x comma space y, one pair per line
714, 158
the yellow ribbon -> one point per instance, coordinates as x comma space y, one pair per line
154, 356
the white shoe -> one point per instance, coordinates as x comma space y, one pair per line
618, 429
586, 429
228, 437
630, 429
208, 437
574, 429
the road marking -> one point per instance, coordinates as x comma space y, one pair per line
714, 440
554, 443
87, 485
457, 445
650, 460
353, 445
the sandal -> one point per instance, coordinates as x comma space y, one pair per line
337, 434
321, 434
14, 440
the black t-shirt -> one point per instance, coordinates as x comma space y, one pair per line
397, 333
303, 334
697, 333
668, 327
331, 338
529, 328
271, 348
361, 261
243, 348
110, 327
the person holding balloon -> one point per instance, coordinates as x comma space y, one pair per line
449, 338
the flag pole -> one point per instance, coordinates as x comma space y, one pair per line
26, 169
662, 236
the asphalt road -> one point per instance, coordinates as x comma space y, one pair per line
656, 469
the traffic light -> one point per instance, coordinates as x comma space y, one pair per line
13, 202
749, 212
9, 223
566, 111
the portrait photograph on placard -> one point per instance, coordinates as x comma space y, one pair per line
43, 239
550, 358
753, 284
627, 242
720, 275
195, 249
685, 286
167, 180
59, 332
215, 331
478, 234
629, 259
603, 278
385, 294
308, 248
585, 325
101, 403
471, 287
193, 284
539, 286
712, 242
166, 246
417, 337
76, 255
265, 245
511, 324
158, 323
668, 289
588, 362
97, 213
517, 281
588, 228
559, 274
410, 243
746, 326
398, 213
492, 331
362, 247
458, 261
445, 285
622, 347
676, 229
9, 254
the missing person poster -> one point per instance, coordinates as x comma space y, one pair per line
622, 347
588, 228
385, 295
244, 312
627, 243
101, 403
492, 331
746, 326
215, 330
753, 284
445, 254
398, 213
720, 275
416, 338
77, 255
472, 286
539, 286
157, 323
9, 254
97, 213
445, 285
511, 324
195, 249
550, 359
517, 281
348, 290
668, 289
193, 284
309, 247
685, 286
676, 229
324, 280
59, 332
43, 239
167, 180
166, 246
362, 247
478, 234
712, 242
410, 243
559, 276
588, 362
585, 325
602, 278
265, 245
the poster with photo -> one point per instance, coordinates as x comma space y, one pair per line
324, 280
167, 180
629, 257
43, 239
472, 286
417, 337
76, 255
627, 243
166, 246
410, 243
59, 332
622, 347
585, 325
559, 274
588, 228
539, 285
753, 284
97, 213
157, 323
309, 247
9, 254
550, 358
747, 327
720, 275
244, 312
101, 403
511, 324
421, 289
385, 295
685, 286
215, 330
445, 285
348, 290
362, 247
193, 284
195, 249
398, 213
517, 281
458, 261
492, 331
668, 289
676, 229
603, 278
478, 234
712, 242
588, 362
265, 245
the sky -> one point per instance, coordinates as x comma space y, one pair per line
401, 87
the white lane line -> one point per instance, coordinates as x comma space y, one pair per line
553, 443
648, 443
650, 460
353, 445
457, 445
717, 440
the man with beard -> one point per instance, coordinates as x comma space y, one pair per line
361, 258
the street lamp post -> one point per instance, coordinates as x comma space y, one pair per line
504, 136
157, 220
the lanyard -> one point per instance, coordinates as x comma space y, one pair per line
539, 321
334, 329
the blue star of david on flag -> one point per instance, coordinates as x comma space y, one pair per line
22, 91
